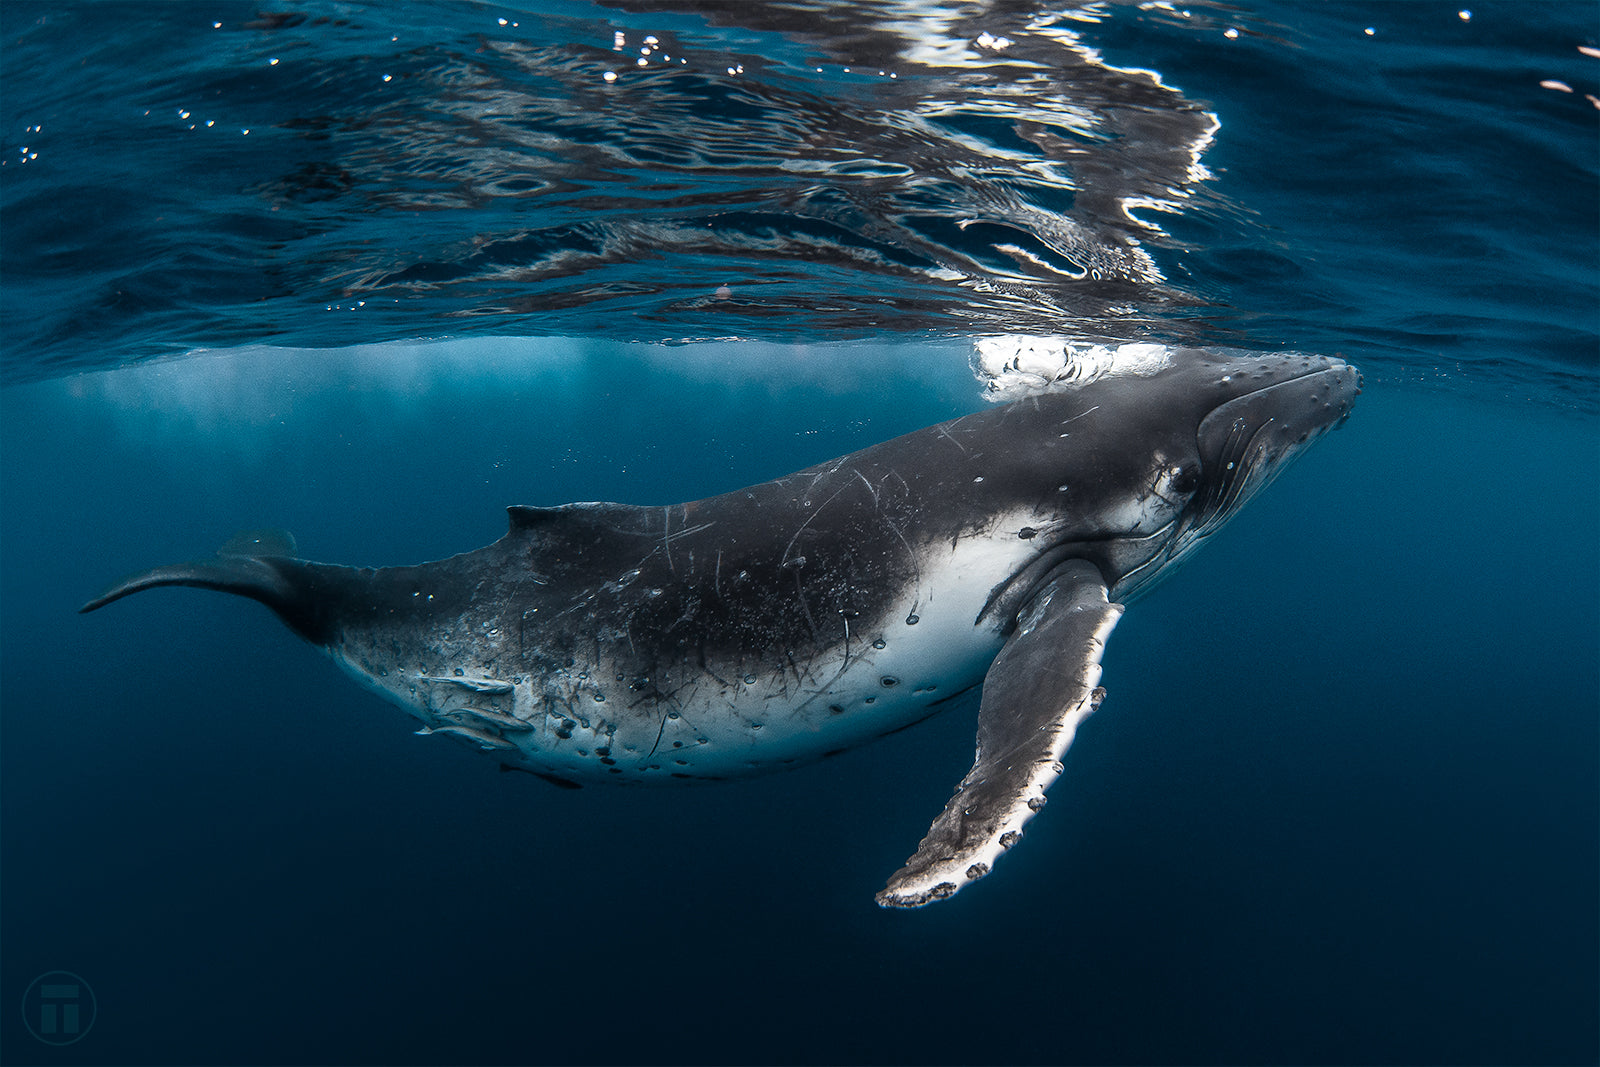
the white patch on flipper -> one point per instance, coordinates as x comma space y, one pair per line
971, 860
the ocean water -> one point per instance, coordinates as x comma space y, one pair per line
1339, 805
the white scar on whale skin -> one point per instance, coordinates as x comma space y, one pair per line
791, 620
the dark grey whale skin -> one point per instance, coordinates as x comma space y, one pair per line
593, 628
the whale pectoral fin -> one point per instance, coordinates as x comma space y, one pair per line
1038, 689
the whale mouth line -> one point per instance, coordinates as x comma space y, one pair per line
1331, 366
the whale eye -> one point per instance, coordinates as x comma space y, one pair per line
1185, 480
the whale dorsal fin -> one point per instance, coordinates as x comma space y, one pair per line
524, 517
1039, 688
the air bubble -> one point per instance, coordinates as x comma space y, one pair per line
913, 619
879, 643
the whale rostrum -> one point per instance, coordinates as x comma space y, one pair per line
797, 618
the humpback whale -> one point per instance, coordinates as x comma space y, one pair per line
794, 619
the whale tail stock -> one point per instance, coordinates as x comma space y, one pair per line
256, 564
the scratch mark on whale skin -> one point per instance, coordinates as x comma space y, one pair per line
785, 559
666, 537
870, 488
944, 431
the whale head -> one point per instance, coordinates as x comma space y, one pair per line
1133, 473
1232, 425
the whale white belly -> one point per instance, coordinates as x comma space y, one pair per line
590, 721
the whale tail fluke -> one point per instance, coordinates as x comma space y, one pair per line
256, 564
242, 575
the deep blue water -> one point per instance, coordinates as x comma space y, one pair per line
1340, 803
